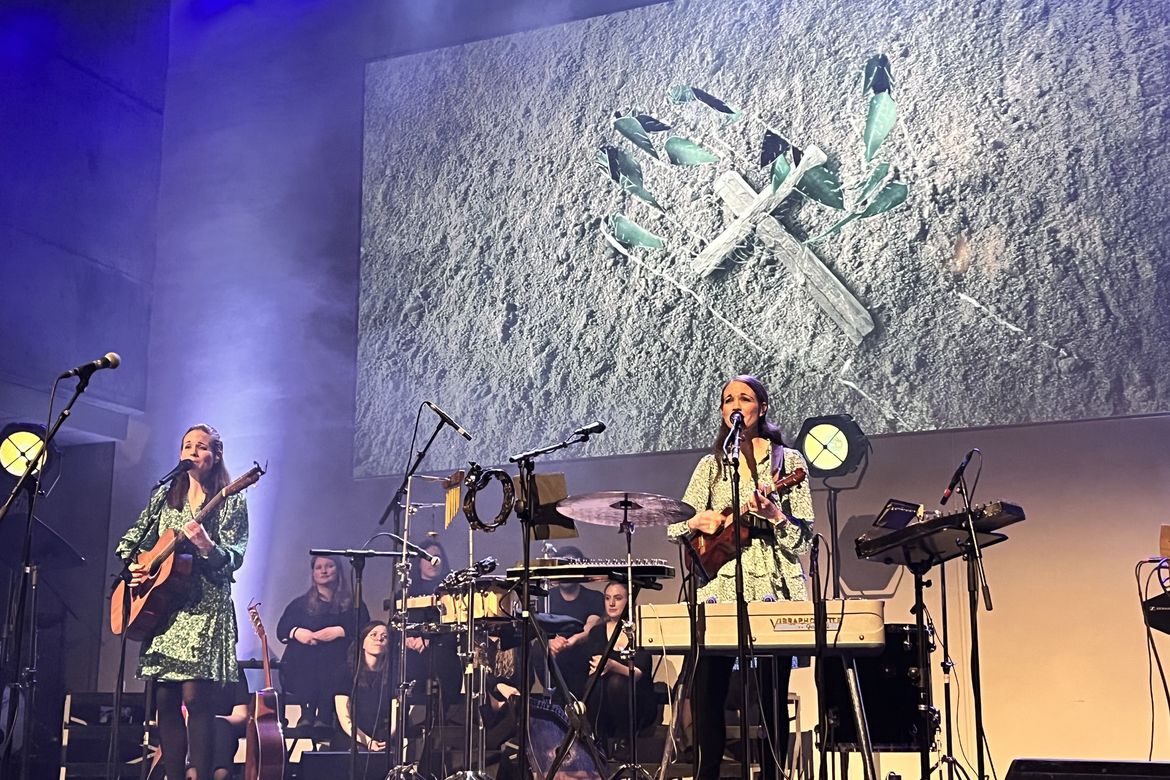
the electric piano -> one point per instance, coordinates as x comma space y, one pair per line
855, 626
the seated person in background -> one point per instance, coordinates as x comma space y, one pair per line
609, 703
584, 604
317, 628
361, 700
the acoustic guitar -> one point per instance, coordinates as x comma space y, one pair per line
711, 551
167, 573
264, 751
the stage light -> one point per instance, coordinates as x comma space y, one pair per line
24, 443
832, 445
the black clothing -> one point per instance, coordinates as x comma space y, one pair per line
712, 679
308, 672
225, 736
369, 703
574, 661
609, 703
192, 738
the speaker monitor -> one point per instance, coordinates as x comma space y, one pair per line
1052, 769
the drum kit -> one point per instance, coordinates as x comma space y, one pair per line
486, 612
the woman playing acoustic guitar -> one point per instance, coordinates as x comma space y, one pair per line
192, 651
771, 566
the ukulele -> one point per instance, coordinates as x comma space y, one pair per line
264, 751
711, 551
167, 573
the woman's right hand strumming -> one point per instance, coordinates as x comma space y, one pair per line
137, 574
706, 522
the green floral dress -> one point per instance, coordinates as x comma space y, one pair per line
198, 640
771, 566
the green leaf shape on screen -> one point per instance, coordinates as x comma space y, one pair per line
619, 163
878, 75
883, 112
636, 188
823, 186
626, 171
875, 180
780, 170
892, 195
683, 151
632, 130
680, 93
631, 234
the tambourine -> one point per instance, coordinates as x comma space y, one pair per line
477, 479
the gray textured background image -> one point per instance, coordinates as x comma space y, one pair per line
1024, 279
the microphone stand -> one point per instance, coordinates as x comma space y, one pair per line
357, 559
976, 576
404, 487
731, 459
25, 670
526, 512
120, 683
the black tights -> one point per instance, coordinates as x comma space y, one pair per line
176, 738
712, 680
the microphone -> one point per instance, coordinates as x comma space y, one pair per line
414, 551
737, 420
109, 360
459, 429
183, 467
590, 429
955, 479
485, 566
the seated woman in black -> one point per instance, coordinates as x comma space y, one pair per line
317, 628
362, 700
609, 703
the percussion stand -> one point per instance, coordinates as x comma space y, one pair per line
24, 683
632, 769
473, 683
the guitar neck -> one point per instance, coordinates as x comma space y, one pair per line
267, 666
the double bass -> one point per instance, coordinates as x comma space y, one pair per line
264, 748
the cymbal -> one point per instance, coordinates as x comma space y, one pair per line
611, 507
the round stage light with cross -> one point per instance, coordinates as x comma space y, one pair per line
22, 444
832, 445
